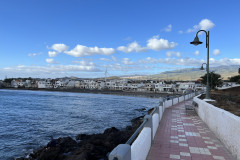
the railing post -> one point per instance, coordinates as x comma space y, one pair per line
184, 96
163, 105
149, 124
178, 99
172, 101
158, 111
121, 152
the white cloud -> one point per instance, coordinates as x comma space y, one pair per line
127, 61
52, 53
194, 29
190, 61
216, 52
59, 47
148, 60
104, 59
49, 70
155, 43
180, 32
50, 60
84, 63
168, 28
196, 53
204, 24
34, 54
160, 44
132, 47
114, 58
80, 51
173, 53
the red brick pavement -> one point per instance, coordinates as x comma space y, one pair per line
183, 135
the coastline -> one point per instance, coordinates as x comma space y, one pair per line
85, 146
111, 92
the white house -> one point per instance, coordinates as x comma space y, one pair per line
77, 84
28, 83
45, 84
186, 86
14, 83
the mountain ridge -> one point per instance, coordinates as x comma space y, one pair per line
190, 73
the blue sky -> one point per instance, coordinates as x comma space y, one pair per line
83, 38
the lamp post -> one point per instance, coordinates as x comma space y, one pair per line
202, 66
197, 42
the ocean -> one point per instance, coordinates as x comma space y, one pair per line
29, 119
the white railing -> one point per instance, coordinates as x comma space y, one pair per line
139, 144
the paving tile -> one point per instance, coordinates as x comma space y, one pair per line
185, 154
218, 157
174, 156
186, 137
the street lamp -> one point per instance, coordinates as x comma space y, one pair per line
202, 66
197, 42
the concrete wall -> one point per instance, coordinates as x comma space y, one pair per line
181, 98
141, 146
155, 121
161, 110
168, 103
175, 101
224, 124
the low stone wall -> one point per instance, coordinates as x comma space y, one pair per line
155, 123
139, 149
224, 124
141, 146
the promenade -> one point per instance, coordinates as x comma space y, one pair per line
183, 135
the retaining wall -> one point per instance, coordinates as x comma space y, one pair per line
141, 146
224, 124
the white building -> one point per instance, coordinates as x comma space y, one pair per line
28, 83
14, 83
45, 84
183, 86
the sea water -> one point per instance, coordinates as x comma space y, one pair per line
29, 119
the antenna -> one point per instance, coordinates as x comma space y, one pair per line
106, 73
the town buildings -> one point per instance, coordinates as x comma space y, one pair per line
127, 85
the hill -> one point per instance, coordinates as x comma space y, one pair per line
191, 73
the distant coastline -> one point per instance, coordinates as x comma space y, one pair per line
112, 92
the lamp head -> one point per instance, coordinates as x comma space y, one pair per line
196, 41
202, 67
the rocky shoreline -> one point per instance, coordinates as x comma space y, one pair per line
85, 147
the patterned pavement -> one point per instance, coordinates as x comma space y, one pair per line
183, 135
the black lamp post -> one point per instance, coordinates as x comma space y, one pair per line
197, 42
202, 66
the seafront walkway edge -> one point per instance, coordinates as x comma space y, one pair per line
183, 135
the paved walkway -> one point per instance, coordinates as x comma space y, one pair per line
183, 135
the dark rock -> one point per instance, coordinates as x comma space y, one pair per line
90, 147
129, 128
81, 136
111, 130
141, 109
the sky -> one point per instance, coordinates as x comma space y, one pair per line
84, 38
